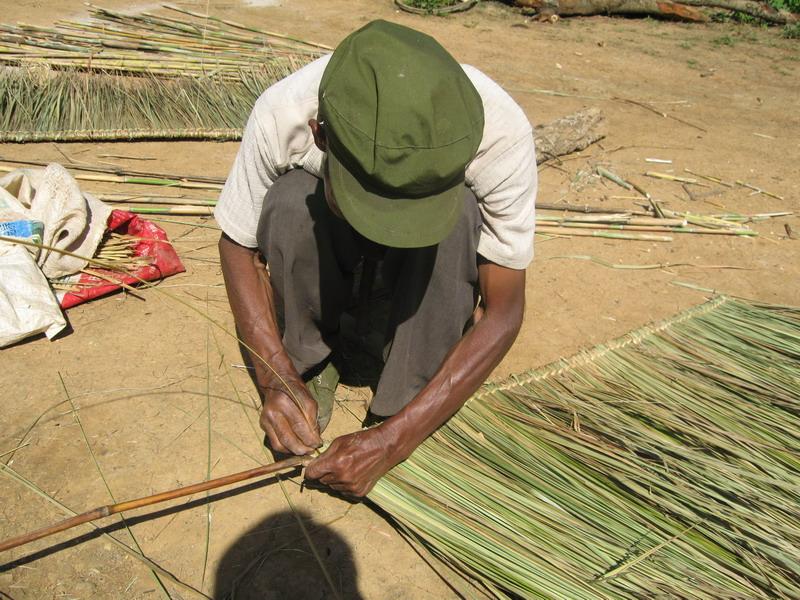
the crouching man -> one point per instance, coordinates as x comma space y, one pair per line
388, 148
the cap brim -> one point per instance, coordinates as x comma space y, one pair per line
395, 221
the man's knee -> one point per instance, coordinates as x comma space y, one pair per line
287, 214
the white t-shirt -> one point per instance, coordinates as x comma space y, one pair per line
277, 138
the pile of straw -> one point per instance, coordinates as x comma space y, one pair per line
664, 464
138, 76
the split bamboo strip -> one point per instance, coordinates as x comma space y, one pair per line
619, 218
696, 230
120, 135
117, 170
735, 217
709, 178
189, 211
662, 464
178, 183
115, 198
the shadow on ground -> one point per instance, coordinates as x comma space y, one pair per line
273, 561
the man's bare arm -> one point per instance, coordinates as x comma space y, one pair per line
250, 295
353, 463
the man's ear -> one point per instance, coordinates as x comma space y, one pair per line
319, 134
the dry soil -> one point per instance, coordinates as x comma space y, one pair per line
162, 405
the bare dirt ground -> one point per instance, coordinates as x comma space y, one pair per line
153, 385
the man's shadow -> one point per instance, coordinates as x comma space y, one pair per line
273, 561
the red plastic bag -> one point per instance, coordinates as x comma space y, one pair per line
165, 261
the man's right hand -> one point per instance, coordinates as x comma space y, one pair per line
291, 426
289, 429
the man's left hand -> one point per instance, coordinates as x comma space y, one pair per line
353, 463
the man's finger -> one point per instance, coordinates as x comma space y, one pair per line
274, 442
329, 479
286, 435
302, 419
317, 468
308, 436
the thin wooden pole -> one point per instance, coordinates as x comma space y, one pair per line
112, 509
119, 171
188, 211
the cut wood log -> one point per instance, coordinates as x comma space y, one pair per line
760, 10
653, 8
667, 9
569, 134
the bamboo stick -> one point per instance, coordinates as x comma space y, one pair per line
107, 135
112, 509
709, 178
668, 177
613, 177
585, 208
545, 229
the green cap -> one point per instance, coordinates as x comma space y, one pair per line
402, 122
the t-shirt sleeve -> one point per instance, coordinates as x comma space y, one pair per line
239, 205
276, 139
507, 200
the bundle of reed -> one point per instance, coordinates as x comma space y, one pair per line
192, 45
117, 251
662, 464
